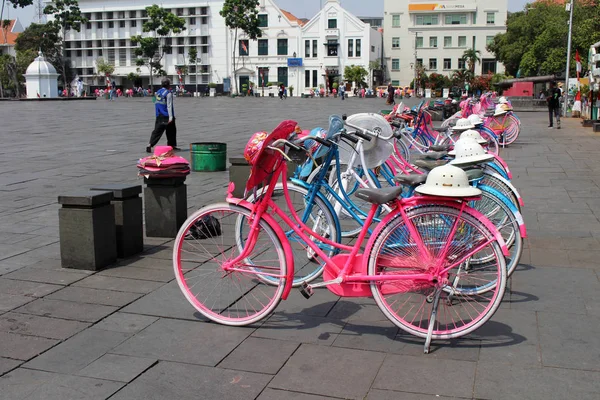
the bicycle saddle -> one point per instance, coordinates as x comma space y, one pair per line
411, 180
430, 164
379, 196
439, 147
433, 155
474, 174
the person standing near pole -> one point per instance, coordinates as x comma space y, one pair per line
165, 117
553, 99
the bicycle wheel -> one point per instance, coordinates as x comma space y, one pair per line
206, 243
510, 133
504, 219
454, 299
319, 217
401, 152
495, 181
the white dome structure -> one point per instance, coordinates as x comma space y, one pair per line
41, 79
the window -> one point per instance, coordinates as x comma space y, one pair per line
204, 10
121, 14
192, 40
488, 66
419, 62
395, 83
447, 63
263, 47
111, 24
307, 78
461, 63
332, 48
111, 43
307, 49
282, 48
133, 23
489, 40
315, 77
433, 41
204, 20
192, 11
475, 18
144, 14
109, 15
456, 19
89, 44
282, 75
350, 47
447, 41
193, 21
395, 43
372, 49
263, 20
490, 18
395, 64
462, 41
433, 64
179, 12
244, 46
132, 14
315, 48
332, 23
358, 48
181, 50
427, 19
419, 42
181, 41
98, 43
204, 40
205, 50
111, 55
122, 56
99, 25
88, 25
395, 20
122, 43
474, 38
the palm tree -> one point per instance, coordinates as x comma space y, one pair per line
460, 76
471, 57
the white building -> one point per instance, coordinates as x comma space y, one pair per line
437, 33
333, 40
8, 37
41, 79
334, 37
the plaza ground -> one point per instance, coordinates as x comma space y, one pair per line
128, 333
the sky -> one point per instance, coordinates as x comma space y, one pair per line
301, 9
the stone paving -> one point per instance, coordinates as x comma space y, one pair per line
127, 332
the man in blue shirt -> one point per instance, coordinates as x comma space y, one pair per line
165, 117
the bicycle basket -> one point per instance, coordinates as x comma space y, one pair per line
376, 151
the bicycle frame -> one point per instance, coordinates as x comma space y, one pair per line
259, 210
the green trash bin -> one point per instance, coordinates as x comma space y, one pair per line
208, 156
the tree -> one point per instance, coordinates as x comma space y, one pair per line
40, 37
151, 50
15, 4
535, 48
103, 68
241, 15
67, 16
471, 57
356, 74
461, 76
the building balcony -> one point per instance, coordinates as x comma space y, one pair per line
332, 33
333, 61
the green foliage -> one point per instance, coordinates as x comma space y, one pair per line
150, 50
193, 55
212, 85
104, 68
42, 37
241, 15
356, 74
438, 81
20, 3
536, 39
460, 76
132, 77
471, 57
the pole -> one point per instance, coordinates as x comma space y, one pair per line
197, 94
415, 84
566, 90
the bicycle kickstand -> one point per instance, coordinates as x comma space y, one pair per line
436, 301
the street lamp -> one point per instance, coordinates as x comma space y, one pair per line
197, 60
566, 90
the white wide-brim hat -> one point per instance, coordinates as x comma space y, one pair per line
468, 151
448, 181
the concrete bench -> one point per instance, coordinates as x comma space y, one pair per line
165, 201
87, 230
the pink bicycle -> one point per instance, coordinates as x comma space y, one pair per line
434, 266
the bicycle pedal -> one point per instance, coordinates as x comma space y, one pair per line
306, 290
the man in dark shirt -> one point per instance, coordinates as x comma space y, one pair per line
553, 99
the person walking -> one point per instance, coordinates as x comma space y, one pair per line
553, 99
165, 117
390, 99
342, 91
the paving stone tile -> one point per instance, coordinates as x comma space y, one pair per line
94, 296
58, 277
329, 371
167, 301
549, 257
462, 349
67, 310
9, 302
127, 323
318, 305
566, 340
168, 380
575, 222
22, 288
34, 325
7, 364
370, 335
504, 381
300, 328
277, 394
376, 394
357, 309
148, 262
146, 274
115, 367
75, 353
184, 341
22, 384
452, 377
118, 284
21, 347
7, 267
265, 356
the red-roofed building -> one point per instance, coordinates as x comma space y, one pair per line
8, 36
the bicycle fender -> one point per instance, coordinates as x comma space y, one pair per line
511, 186
510, 205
